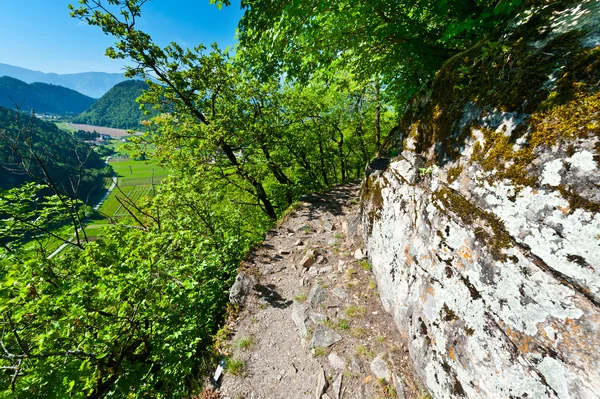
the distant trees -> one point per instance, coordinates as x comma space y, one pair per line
48, 176
76, 169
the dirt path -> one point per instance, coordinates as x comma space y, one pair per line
312, 325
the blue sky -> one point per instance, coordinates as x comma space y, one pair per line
41, 35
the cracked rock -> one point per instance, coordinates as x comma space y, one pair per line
322, 384
337, 387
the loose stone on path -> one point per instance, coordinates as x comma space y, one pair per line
324, 337
316, 296
299, 316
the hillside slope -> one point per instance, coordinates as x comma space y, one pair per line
117, 108
42, 97
92, 84
59, 152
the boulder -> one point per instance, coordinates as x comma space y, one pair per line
243, 285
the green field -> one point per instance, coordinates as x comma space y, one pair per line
65, 126
136, 180
137, 173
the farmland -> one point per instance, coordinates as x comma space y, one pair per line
136, 180
113, 132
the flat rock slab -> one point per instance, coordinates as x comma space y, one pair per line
324, 337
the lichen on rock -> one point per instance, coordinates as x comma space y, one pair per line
490, 264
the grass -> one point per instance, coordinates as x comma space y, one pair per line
246, 343
135, 180
95, 226
350, 272
363, 351
343, 324
359, 332
328, 323
301, 297
320, 351
133, 173
235, 366
65, 126
380, 338
386, 389
49, 243
365, 265
355, 311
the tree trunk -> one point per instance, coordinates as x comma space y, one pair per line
258, 187
377, 116
322, 158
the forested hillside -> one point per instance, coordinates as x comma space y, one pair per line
314, 92
117, 108
33, 150
42, 97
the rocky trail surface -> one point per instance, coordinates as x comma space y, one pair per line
311, 324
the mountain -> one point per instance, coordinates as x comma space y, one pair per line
42, 97
93, 84
117, 108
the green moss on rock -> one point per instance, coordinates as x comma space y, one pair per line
494, 235
453, 173
503, 74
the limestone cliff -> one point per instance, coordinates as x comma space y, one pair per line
484, 234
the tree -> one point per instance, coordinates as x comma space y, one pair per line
403, 42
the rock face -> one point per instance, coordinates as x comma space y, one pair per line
484, 234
